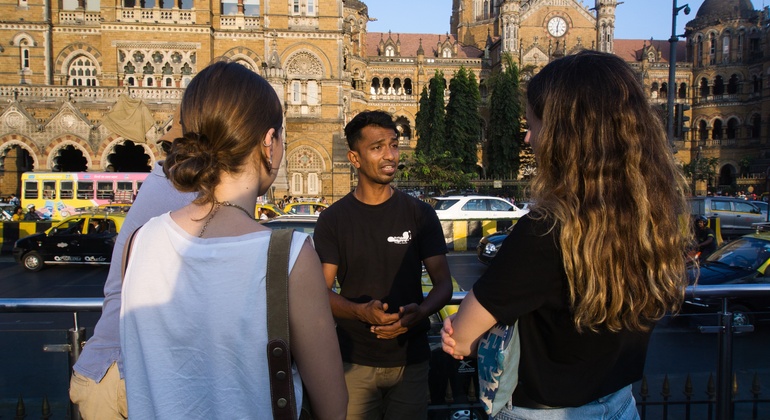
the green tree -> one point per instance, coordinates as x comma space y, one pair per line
463, 121
438, 171
436, 123
421, 122
504, 135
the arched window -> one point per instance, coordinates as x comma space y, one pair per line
732, 85
654, 90
719, 86
312, 92
755, 84
756, 126
726, 49
713, 49
446, 53
82, 72
408, 86
704, 87
699, 51
390, 51
296, 92
664, 90
683, 91
716, 131
732, 128
703, 131
375, 88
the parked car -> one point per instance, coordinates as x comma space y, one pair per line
85, 239
490, 245
271, 207
737, 217
462, 207
742, 261
763, 208
304, 208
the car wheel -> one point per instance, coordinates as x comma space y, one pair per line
741, 316
32, 261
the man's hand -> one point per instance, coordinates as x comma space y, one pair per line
374, 313
409, 315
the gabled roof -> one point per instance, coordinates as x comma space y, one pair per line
411, 42
630, 50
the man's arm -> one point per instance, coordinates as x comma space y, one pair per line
372, 312
410, 315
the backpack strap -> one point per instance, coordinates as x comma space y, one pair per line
278, 346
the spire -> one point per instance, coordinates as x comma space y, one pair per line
420, 51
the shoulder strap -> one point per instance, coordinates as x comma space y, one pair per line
278, 351
127, 254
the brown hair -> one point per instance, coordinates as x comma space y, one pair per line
226, 112
607, 179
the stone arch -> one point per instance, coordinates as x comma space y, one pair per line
307, 54
72, 51
107, 146
246, 55
23, 36
64, 141
310, 146
9, 141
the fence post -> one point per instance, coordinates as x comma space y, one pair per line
725, 362
75, 338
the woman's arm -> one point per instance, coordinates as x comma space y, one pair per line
314, 339
462, 330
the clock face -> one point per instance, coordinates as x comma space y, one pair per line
557, 26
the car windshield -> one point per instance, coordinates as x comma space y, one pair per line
747, 253
444, 204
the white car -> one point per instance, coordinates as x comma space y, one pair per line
467, 207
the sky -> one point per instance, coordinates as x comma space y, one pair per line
634, 19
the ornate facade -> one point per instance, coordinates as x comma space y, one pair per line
64, 66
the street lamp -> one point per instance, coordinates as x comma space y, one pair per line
672, 70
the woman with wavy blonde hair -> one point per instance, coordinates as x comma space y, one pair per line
599, 258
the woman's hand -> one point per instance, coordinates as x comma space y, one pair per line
447, 342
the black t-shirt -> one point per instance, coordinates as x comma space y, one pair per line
559, 366
378, 251
703, 235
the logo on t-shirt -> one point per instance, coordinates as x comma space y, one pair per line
404, 239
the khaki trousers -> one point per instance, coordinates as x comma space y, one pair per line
105, 400
397, 393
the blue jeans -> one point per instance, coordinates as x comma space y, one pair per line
620, 405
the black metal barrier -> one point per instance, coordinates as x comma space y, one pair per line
453, 384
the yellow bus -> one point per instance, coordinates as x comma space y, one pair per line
57, 195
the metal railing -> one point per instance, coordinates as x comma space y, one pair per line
724, 330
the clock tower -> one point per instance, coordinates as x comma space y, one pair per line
535, 31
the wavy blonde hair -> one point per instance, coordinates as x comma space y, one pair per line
608, 182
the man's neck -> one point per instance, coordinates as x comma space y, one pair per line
373, 195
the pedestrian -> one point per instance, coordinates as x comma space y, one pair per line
97, 385
374, 242
14, 200
32, 214
200, 271
601, 255
18, 215
263, 214
705, 238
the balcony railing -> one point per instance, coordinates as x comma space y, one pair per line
722, 391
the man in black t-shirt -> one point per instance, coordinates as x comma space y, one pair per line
375, 241
707, 243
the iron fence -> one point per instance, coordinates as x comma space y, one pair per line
453, 384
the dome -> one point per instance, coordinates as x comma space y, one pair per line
725, 9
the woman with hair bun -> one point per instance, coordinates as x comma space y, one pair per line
193, 315
600, 256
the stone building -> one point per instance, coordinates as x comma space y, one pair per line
67, 66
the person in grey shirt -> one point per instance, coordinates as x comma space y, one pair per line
97, 385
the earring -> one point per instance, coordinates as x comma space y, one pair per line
264, 143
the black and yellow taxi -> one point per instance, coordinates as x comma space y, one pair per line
84, 239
